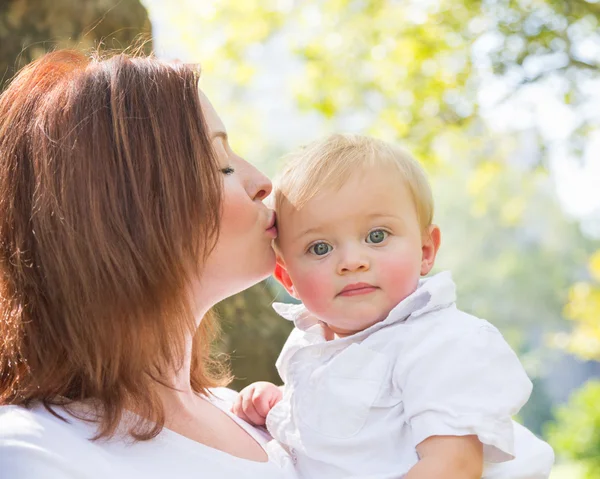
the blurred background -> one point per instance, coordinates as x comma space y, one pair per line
500, 100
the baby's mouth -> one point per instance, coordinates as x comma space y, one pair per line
357, 289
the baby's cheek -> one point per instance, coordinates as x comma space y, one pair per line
315, 290
399, 276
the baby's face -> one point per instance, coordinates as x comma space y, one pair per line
353, 254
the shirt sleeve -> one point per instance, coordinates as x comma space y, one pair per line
458, 383
534, 459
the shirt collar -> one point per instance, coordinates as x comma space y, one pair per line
436, 292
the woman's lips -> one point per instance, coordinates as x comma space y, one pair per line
357, 289
272, 227
272, 232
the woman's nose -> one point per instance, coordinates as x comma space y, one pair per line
262, 186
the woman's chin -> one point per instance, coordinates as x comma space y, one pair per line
266, 270
228, 274
253, 275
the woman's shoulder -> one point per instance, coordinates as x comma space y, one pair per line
35, 424
34, 439
224, 398
35, 443
224, 395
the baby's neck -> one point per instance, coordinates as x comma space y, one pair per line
329, 334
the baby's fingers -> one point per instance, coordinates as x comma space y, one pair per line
254, 417
265, 400
236, 408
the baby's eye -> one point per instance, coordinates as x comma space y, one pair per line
377, 236
228, 170
320, 249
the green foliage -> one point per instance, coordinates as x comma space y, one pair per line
411, 68
512, 252
567, 471
576, 433
538, 410
583, 308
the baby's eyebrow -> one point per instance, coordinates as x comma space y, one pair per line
381, 215
307, 232
371, 216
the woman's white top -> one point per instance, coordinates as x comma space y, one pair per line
34, 444
358, 406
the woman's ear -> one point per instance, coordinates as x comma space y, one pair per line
431, 244
283, 277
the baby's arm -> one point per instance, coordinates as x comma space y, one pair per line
450, 457
460, 381
255, 401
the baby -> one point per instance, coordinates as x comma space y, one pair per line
383, 376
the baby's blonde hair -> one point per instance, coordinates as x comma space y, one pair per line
329, 163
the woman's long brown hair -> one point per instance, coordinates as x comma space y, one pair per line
110, 195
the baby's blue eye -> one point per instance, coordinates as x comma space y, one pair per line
320, 249
377, 236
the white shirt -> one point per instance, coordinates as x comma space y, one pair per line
358, 406
34, 444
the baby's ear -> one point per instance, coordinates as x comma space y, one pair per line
283, 277
430, 247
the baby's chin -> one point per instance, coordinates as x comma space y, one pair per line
354, 323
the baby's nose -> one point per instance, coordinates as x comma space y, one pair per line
352, 262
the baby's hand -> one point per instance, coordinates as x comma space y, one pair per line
255, 401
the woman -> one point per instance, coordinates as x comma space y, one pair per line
124, 217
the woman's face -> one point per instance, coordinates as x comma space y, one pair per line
243, 254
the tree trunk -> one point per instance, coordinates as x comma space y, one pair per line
30, 28
253, 335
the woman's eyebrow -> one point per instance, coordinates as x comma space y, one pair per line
219, 134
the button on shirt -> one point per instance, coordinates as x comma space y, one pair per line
358, 406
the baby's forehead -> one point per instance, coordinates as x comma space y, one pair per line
357, 203
335, 187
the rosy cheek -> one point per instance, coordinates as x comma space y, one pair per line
315, 286
399, 275
237, 216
